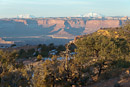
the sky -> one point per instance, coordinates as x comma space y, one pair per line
63, 8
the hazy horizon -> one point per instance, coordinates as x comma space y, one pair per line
61, 8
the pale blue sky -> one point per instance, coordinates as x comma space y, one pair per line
62, 8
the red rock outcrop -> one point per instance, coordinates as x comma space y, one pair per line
41, 22
93, 25
19, 20
51, 22
5, 42
77, 23
63, 34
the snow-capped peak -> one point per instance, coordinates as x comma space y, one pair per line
92, 15
25, 16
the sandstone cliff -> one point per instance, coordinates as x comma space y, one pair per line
94, 25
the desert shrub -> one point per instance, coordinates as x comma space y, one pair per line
121, 64
39, 57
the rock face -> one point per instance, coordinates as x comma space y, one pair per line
94, 25
66, 27
63, 34
23, 21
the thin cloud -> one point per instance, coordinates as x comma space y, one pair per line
45, 2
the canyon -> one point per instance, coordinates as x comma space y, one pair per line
59, 28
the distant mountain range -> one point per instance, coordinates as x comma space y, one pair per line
89, 15
84, 15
